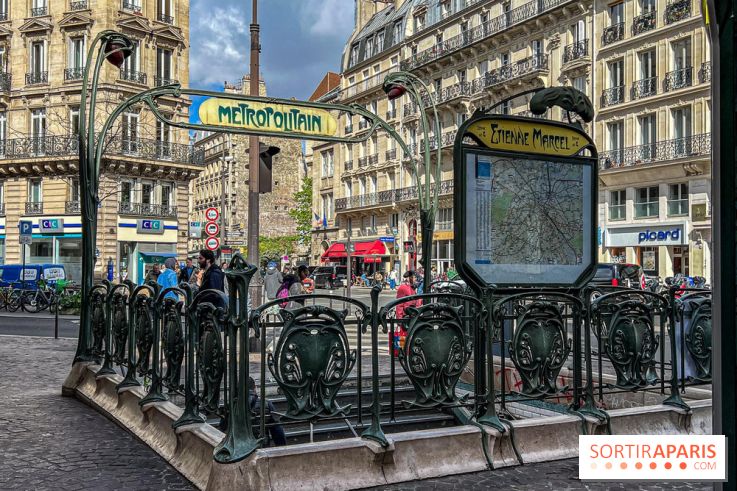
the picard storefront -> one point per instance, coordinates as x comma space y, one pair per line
661, 249
141, 244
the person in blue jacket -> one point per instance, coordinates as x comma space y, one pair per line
168, 277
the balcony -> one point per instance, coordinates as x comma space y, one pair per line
644, 88
5, 82
78, 5
73, 74
643, 23
373, 159
73, 207
147, 210
362, 162
348, 165
37, 78
129, 6
162, 81
676, 11
576, 51
133, 76
446, 140
459, 89
375, 80
387, 197
612, 34
610, 97
39, 11
67, 146
410, 109
705, 72
34, 208
391, 154
691, 146
509, 72
349, 129
678, 79
480, 32
166, 19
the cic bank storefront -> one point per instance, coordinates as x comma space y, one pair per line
142, 243
662, 249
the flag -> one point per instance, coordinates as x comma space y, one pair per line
324, 221
317, 219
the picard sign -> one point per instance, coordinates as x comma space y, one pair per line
264, 116
528, 137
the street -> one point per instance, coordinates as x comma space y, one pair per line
42, 324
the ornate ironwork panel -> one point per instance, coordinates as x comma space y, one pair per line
97, 313
705, 72
210, 320
172, 335
435, 353
644, 88
698, 340
311, 361
676, 11
575, 51
695, 145
612, 34
612, 96
540, 347
678, 79
144, 329
643, 23
119, 312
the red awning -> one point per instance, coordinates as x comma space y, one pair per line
369, 248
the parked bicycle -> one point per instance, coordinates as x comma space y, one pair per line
11, 297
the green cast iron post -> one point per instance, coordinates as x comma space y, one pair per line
374, 432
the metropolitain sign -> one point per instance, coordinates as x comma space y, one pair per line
267, 117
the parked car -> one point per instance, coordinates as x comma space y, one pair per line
10, 274
330, 276
619, 274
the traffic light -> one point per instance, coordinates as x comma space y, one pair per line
266, 154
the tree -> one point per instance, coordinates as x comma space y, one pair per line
302, 213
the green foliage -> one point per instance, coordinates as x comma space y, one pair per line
72, 302
302, 212
273, 248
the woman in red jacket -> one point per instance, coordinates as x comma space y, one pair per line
406, 289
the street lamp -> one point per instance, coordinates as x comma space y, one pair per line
115, 48
396, 85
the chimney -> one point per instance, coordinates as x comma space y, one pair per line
365, 9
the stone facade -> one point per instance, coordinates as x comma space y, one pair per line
227, 164
146, 168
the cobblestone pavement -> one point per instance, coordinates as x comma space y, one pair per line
58, 443
559, 476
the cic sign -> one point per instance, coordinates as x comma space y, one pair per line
51, 225
146, 226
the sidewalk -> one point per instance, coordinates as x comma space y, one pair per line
52, 442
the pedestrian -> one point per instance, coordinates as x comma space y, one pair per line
272, 280
168, 277
212, 276
276, 431
153, 273
452, 273
186, 272
290, 287
224, 265
393, 279
406, 289
303, 274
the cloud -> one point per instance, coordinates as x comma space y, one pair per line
320, 17
219, 47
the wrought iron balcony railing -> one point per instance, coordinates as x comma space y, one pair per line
705, 72
73, 73
362, 162
133, 76
391, 154
446, 140
576, 51
37, 78
34, 208
50, 145
129, 6
691, 146
166, 19
147, 210
39, 11
456, 90
73, 207
612, 96
373, 159
643, 23
482, 31
410, 109
644, 88
386, 197
391, 114
349, 129
678, 10
78, 5
509, 72
161, 81
375, 80
612, 34
348, 165
678, 79
5, 82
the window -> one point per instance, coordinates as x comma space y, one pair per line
328, 166
438, 84
616, 141
678, 199
369, 49
374, 107
4, 10
163, 140
445, 9
682, 130
579, 83
392, 178
397, 33
74, 121
646, 202
681, 54
379, 42
444, 219
483, 67
166, 11
616, 14
74, 191
35, 191
647, 6
578, 30
504, 59
348, 189
126, 194
648, 132
2, 192
38, 58
419, 22
461, 118
461, 75
133, 62
617, 205
327, 206
76, 53
164, 66
394, 222
647, 64
537, 48
374, 184
394, 62
38, 130
167, 196
129, 131
147, 195
616, 73
354, 55
3, 131
349, 152
483, 18
439, 39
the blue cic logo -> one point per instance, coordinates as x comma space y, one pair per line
146, 226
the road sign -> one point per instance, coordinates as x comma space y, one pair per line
212, 214
212, 229
212, 243
26, 240
26, 229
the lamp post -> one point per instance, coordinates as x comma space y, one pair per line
396, 85
115, 48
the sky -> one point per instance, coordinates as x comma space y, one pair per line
301, 40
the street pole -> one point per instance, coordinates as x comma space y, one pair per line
223, 184
253, 163
349, 270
